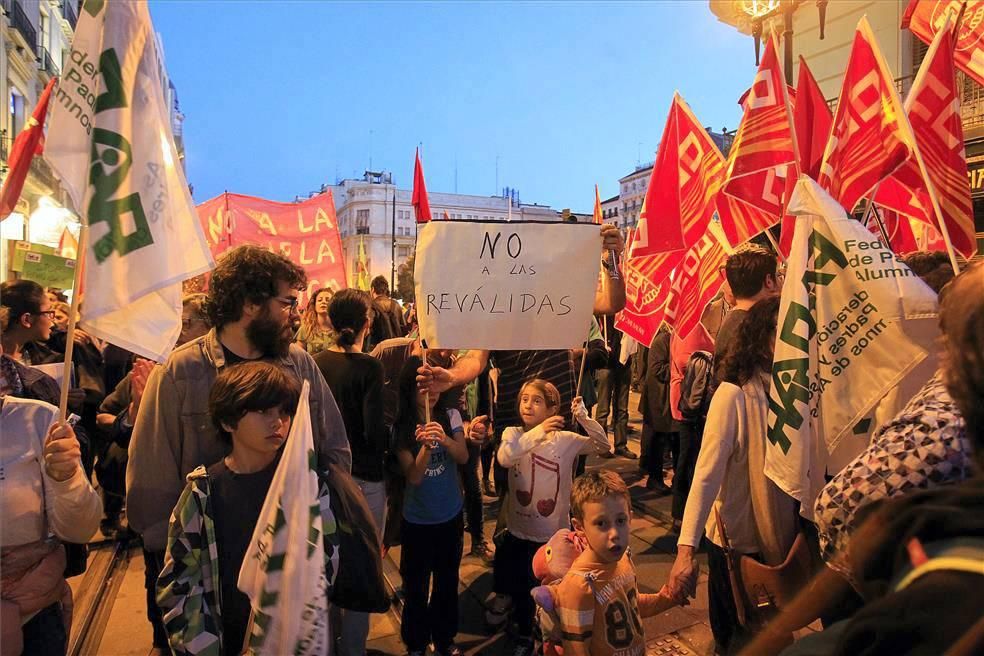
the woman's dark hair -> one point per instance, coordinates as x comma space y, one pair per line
248, 274
21, 297
752, 349
962, 323
247, 387
349, 312
405, 423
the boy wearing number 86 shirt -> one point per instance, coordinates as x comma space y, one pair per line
597, 602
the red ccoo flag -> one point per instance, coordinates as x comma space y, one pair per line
763, 147
925, 18
686, 177
901, 239
421, 206
933, 108
29, 142
697, 280
871, 137
812, 122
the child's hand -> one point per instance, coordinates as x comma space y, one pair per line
554, 423
431, 435
577, 407
677, 599
479, 430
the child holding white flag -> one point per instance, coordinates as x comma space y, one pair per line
213, 524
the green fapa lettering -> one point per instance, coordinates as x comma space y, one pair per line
112, 159
114, 97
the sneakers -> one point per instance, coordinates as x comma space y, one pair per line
483, 551
488, 489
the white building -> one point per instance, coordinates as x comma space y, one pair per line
365, 209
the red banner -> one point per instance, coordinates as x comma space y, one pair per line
871, 137
925, 17
305, 232
697, 280
647, 288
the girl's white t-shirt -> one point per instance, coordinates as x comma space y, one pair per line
541, 470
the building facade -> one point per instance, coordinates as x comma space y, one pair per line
827, 58
365, 209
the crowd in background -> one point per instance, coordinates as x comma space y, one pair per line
182, 454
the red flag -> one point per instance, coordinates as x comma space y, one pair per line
447, 217
924, 18
812, 122
647, 288
421, 206
900, 236
871, 137
597, 207
697, 280
29, 142
741, 221
933, 108
763, 143
686, 177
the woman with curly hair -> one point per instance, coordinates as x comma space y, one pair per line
316, 334
730, 477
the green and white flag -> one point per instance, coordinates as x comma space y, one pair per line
841, 341
110, 142
283, 572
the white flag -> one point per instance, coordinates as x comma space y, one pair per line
283, 573
841, 342
110, 142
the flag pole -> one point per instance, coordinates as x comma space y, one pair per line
584, 357
72, 319
936, 209
881, 225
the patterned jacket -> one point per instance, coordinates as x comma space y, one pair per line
189, 584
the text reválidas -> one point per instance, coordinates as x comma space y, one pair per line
498, 303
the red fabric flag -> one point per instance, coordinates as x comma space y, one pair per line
924, 18
447, 217
29, 142
647, 288
871, 137
697, 280
901, 239
421, 206
763, 143
741, 221
933, 108
597, 207
686, 177
812, 122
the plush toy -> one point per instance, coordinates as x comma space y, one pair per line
550, 563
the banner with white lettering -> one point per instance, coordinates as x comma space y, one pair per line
505, 285
841, 342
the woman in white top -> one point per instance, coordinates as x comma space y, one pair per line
759, 518
45, 497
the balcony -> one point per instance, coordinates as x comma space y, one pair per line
21, 23
46, 63
69, 11
43, 174
4, 150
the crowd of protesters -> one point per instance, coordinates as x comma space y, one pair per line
180, 455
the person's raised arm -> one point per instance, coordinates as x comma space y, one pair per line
610, 297
597, 440
467, 368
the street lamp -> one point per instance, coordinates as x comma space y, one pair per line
756, 12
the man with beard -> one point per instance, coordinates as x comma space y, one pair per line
252, 299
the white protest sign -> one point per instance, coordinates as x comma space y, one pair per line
504, 285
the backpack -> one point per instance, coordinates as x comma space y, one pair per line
695, 388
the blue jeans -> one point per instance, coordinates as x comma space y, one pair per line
44, 634
354, 628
